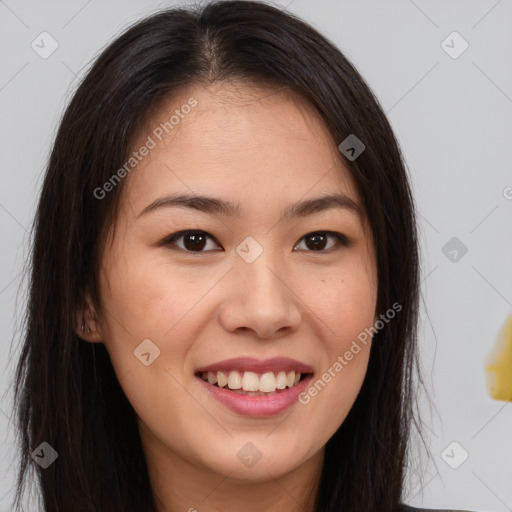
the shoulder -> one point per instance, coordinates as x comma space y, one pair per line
407, 508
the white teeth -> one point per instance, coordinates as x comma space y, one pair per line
250, 381
268, 382
234, 380
222, 380
281, 380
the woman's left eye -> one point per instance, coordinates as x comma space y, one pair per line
195, 240
319, 240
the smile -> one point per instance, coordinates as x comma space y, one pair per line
252, 383
255, 387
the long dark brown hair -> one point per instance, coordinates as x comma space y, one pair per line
66, 391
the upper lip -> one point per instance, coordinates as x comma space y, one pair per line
250, 364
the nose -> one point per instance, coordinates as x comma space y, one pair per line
261, 299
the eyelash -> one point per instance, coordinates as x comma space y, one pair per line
342, 240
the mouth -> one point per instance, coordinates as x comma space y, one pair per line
255, 387
251, 383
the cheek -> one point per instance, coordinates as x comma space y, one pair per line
344, 301
151, 301
344, 306
347, 313
149, 298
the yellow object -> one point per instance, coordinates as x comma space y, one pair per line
499, 366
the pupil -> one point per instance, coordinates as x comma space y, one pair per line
197, 241
318, 238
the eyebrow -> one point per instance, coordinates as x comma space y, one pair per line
212, 205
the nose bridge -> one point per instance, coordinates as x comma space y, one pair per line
263, 301
257, 268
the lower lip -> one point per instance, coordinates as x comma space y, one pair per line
256, 406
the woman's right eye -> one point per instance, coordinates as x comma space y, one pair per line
193, 240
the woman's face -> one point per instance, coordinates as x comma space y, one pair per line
249, 285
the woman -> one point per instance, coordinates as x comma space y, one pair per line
224, 279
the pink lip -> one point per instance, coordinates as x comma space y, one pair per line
256, 406
250, 364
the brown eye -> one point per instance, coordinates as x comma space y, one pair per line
197, 241
317, 241
193, 241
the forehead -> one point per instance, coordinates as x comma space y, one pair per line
253, 145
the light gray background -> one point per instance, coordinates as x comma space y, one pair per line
453, 120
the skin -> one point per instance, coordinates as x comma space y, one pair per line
265, 149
